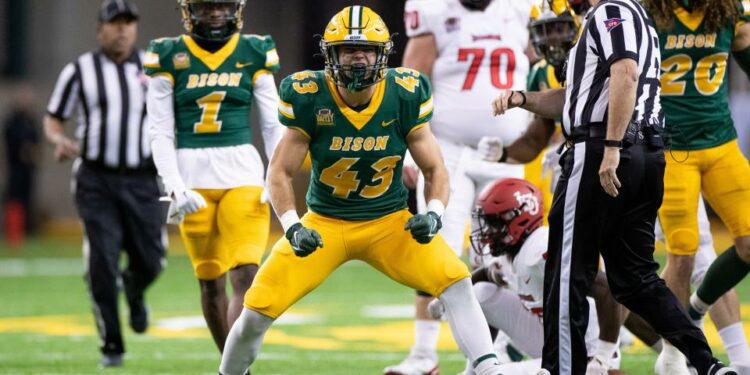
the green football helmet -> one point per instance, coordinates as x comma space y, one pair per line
213, 20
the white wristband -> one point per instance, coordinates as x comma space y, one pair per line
436, 206
288, 219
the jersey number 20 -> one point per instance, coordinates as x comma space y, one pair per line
502, 65
709, 73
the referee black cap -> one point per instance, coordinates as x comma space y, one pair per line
112, 9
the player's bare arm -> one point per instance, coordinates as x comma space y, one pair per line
548, 103
532, 142
288, 156
426, 153
420, 53
623, 85
286, 160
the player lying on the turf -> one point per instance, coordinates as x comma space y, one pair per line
510, 286
357, 118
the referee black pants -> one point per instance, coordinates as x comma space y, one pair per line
585, 222
120, 211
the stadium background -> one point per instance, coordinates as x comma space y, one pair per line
43, 305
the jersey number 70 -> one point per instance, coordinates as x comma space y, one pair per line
502, 65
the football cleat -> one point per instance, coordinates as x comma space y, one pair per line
417, 363
718, 368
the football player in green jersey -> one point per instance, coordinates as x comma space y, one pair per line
201, 89
696, 38
357, 119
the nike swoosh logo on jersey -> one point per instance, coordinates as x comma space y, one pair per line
386, 123
240, 65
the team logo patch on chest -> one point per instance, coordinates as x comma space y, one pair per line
324, 117
181, 61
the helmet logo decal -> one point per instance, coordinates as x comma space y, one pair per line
528, 202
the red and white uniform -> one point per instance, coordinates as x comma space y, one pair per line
516, 308
480, 54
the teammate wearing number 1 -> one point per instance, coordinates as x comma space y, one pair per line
472, 50
357, 118
696, 38
201, 88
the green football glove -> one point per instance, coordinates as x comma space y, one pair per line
424, 227
304, 241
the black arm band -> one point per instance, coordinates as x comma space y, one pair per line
611, 143
523, 95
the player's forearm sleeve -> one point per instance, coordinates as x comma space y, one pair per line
743, 59
267, 99
161, 130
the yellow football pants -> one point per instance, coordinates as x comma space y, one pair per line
723, 174
230, 232
383, 243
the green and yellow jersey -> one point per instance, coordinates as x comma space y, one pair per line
213, 92
693, 84
357, 155
542, 77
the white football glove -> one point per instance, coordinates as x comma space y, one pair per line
490, 148
188, 202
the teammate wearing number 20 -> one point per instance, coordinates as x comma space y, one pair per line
357, 118
201, 88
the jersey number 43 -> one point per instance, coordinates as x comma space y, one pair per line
344, 181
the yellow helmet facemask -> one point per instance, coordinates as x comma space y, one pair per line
356, 27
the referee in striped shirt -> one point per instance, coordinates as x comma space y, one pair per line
610, 188
116, 191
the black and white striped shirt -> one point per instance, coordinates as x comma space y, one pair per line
614, 29
111, 103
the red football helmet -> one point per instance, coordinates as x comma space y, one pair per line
508, 210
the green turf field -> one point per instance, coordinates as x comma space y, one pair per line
356, 323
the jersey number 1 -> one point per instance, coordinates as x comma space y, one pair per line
210, 105
502, 65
